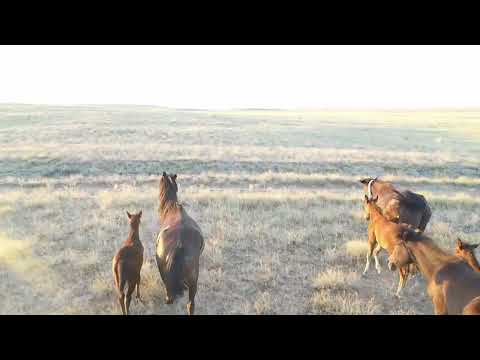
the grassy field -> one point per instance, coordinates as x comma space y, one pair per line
275, 192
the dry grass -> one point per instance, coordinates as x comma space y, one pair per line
356, 248
277, 198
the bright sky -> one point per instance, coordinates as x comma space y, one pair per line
218, 77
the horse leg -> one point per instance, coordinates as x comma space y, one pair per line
191, 279
375, 256
128, 298
439, 305
121, 300
192, 290
371, 244
138, 290
403, 276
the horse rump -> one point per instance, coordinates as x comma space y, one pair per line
414, 201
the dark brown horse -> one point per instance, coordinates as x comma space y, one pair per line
452, 284
399, 206
466, 251
383, 234
179, 245
127, 264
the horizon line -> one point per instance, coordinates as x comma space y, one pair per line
249, 108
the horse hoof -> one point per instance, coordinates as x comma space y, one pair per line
168, 301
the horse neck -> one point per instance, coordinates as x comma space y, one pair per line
375, 214
168, 205
133, 236
473, 262
428, 256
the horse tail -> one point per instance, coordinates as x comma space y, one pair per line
427, 214
174, 266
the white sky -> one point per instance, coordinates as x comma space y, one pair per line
243, 76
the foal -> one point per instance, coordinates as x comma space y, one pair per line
383, 234
465, 251
127, 263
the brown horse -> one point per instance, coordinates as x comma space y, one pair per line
127, 264
179, 245
466, 251
383, 234
399, 206
452, 284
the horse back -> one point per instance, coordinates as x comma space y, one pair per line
402, 207
182, 233
130, 256
388, 233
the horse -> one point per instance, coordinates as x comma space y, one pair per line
399, 206
452, 284
127, 264
466, 251
383, 234
179, 245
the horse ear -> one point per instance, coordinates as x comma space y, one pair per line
164, 174
129, 215
174, 177
364, 181
459, 243
140, 213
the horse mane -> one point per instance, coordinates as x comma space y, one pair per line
168, 199
435, 252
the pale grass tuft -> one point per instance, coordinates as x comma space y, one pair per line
263, 304
334, 279
356, 248
342, 303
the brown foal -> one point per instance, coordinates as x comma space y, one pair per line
127, 263
466, 251
383, 234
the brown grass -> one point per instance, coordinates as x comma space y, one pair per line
277, 199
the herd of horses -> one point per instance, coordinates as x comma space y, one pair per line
396, 223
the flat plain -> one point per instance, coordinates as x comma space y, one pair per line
275, 192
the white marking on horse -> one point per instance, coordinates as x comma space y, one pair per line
375, 255
367, 265
370, 195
